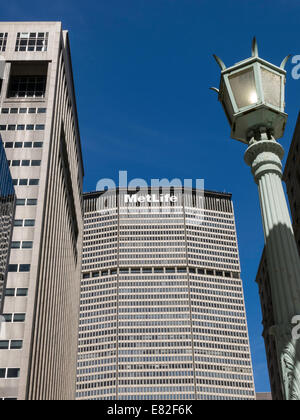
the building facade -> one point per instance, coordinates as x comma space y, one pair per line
291, 177
39, 128
264, 396
7, 211
162, 312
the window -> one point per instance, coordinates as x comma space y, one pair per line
16, 292
16, 345
22, 292
27, 80
22, 268
4, 345
3, 41
25, 182
19, 317
31, 202
35, 163
20, 202
34, 182
32, 41
27, 87
27, 244
15, 163
29, 223
13, 373
26, 145
14, 317
24, 110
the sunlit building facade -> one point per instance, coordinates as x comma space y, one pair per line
39, 129
162, 312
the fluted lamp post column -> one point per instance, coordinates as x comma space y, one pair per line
252, 95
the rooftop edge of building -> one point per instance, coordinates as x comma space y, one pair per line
207, 193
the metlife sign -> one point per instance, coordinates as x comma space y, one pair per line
151, 198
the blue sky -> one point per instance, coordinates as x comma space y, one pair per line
142, 72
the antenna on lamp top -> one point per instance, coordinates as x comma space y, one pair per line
254, 48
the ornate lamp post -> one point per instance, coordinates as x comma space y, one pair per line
252, 95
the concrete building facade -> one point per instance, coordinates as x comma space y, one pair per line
162, 312
291, 177
39, 128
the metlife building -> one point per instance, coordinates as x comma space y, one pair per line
162, 314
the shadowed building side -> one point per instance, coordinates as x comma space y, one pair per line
7, 211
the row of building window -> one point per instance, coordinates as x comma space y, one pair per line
26, 41
22, 127
11, 344
26, 182
25, 145
23, 110
32, 41
19, 268
24, 223
21, 245
17, 163
9, 373
26, 202
20, 292
14, 318
167, 270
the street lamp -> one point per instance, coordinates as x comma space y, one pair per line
252, 95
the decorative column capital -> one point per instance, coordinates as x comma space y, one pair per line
264, 156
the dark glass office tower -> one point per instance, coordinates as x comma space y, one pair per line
7, 210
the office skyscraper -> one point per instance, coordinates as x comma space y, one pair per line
162, 312
39, 128
7, 211
291, 177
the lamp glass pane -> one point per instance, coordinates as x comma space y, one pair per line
272, 87
228, 105
244, 88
